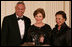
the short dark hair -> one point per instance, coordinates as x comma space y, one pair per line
21, 3
62, 13
39, 10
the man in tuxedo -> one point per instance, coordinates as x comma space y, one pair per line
15, 27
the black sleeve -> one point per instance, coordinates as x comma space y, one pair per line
52, 36
48, 35
4, 32
29, 38
29, 22
68, 38
28, 25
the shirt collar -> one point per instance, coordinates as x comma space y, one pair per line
18, 16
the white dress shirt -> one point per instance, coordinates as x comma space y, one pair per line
21, 27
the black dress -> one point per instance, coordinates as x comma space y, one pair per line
46, 29
61, 37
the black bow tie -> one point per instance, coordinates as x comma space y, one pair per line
20, 18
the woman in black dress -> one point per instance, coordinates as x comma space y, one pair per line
39, 32
61, 34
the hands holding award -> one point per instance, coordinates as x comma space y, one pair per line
38, 38
41, 39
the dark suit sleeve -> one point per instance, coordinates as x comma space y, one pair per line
29, 22
28, 26
4, 32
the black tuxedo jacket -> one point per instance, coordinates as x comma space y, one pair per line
10, 33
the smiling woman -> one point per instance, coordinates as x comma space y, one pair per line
60, 35
60, 18
41, 31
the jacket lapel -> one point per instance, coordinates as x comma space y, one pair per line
16, 26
